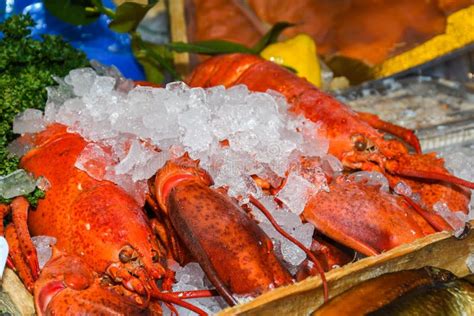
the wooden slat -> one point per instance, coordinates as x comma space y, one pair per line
176, 9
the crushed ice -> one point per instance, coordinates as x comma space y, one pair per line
191, 277
133, 131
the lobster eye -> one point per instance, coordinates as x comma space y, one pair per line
360, 142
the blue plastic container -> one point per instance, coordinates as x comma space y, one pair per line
95, 39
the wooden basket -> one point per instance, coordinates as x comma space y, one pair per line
440, 250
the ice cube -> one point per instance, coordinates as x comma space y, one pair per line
43, 183
16, 183
81, 80
296, 192
403, 189
29, 121
20, 146
94, 160
457, 220
372, 178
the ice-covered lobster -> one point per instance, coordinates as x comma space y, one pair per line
355, 215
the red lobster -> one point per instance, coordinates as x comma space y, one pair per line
107, 258
372, 224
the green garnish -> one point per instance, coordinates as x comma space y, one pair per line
27, 67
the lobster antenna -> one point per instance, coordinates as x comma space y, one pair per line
195, 294
167, 297
436, 221
433, 175
170, 298
310, 255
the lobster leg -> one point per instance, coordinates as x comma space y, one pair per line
4, 210
16, 255
403, 133
20, 214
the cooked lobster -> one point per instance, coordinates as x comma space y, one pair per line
107, 257
357, 140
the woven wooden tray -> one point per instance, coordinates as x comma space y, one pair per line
440, 250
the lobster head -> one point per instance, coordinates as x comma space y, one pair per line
67, 285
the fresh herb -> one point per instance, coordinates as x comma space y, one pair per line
27, 67
217, 47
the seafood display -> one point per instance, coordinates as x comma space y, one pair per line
354, 138
248, 184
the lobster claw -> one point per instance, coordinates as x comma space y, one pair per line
67, 286
363, 217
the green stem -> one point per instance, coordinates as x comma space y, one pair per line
157, 58
104, 10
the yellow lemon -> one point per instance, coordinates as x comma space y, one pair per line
298, 53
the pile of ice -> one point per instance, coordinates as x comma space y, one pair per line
133, 131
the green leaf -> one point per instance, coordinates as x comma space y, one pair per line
212, 47
162, 56
77, 12
129, 15
271, 36
151, 68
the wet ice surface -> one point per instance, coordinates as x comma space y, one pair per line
43, 245
16, 183
191, 277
